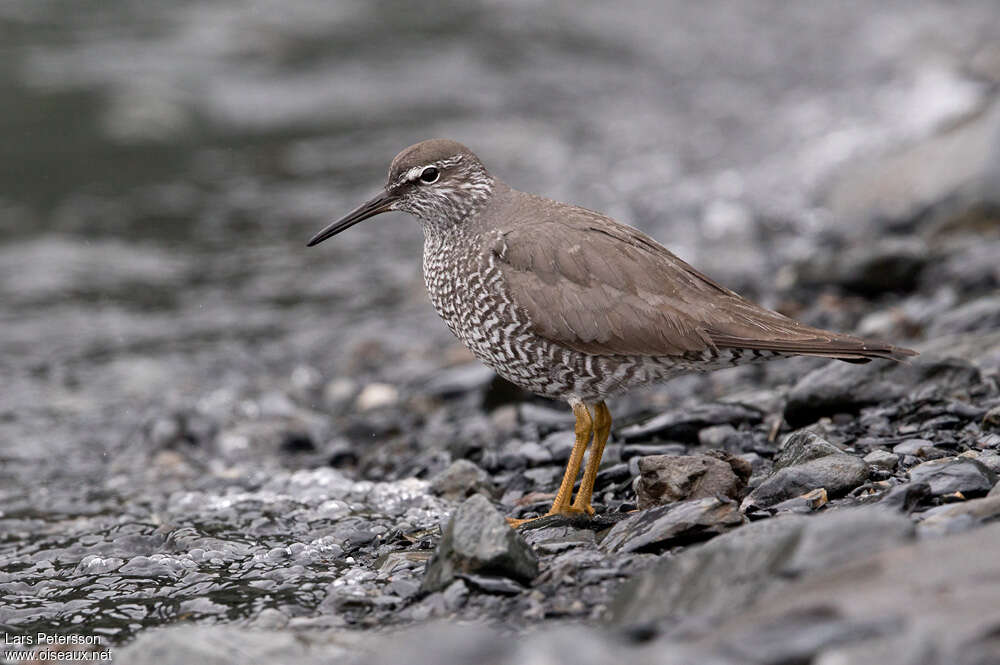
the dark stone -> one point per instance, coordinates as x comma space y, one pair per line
478, 540
461, 480
947, 476
846, 388
647, 449
991, 421
659, 528
889, 264
802, 446
684, 425
837, 474
665, 479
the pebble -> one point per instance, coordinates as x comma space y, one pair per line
837, 474
478, 540
376, 396
949, 475
665, 479
882, 459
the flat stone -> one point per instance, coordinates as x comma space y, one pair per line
846, 387
837, 474
801, 446
665, 478
882, 459
460, 380
957, 517
707, 583
461, 480
955, 474
478, 540
658, 528
684, 424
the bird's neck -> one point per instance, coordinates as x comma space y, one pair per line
461, 213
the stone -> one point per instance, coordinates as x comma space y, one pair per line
375, 396
846, 388
460, 380
682, 523
717, 580
980, 314
957, 517
801, 446
684, 425
919, 448
955, 474
477, 540
884, 265
461, 480
837, 474
882, 459
991, 421
666, 478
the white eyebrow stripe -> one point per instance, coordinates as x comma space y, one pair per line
414, 173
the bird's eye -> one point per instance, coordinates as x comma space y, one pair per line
430, 174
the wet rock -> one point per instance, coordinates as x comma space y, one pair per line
478, 540
837, 474
662, 527
461, 480
882, 459
719, 579
684, 425
802, 446
845, 387
666, 479
955, 474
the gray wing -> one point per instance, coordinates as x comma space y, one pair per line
600, 287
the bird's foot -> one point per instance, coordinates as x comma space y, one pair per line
571, 512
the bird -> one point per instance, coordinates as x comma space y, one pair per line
570, 304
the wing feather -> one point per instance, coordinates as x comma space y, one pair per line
606, 288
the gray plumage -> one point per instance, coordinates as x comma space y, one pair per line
568, 303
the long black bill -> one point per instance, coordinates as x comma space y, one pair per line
375, 206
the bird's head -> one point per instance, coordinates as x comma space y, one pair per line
441, 182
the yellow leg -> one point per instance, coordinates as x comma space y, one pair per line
584, 428
602, 430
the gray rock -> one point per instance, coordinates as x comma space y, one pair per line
845, 387
722, 437
230, 645
666, 478
888, 264
882, 459
960, 516
935, 599
955, 474
461, 480
801, 446
478, 540
684, 424
980, 314
719, 579
465, 378
658, 528
991, 421
919, 448
837, 474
